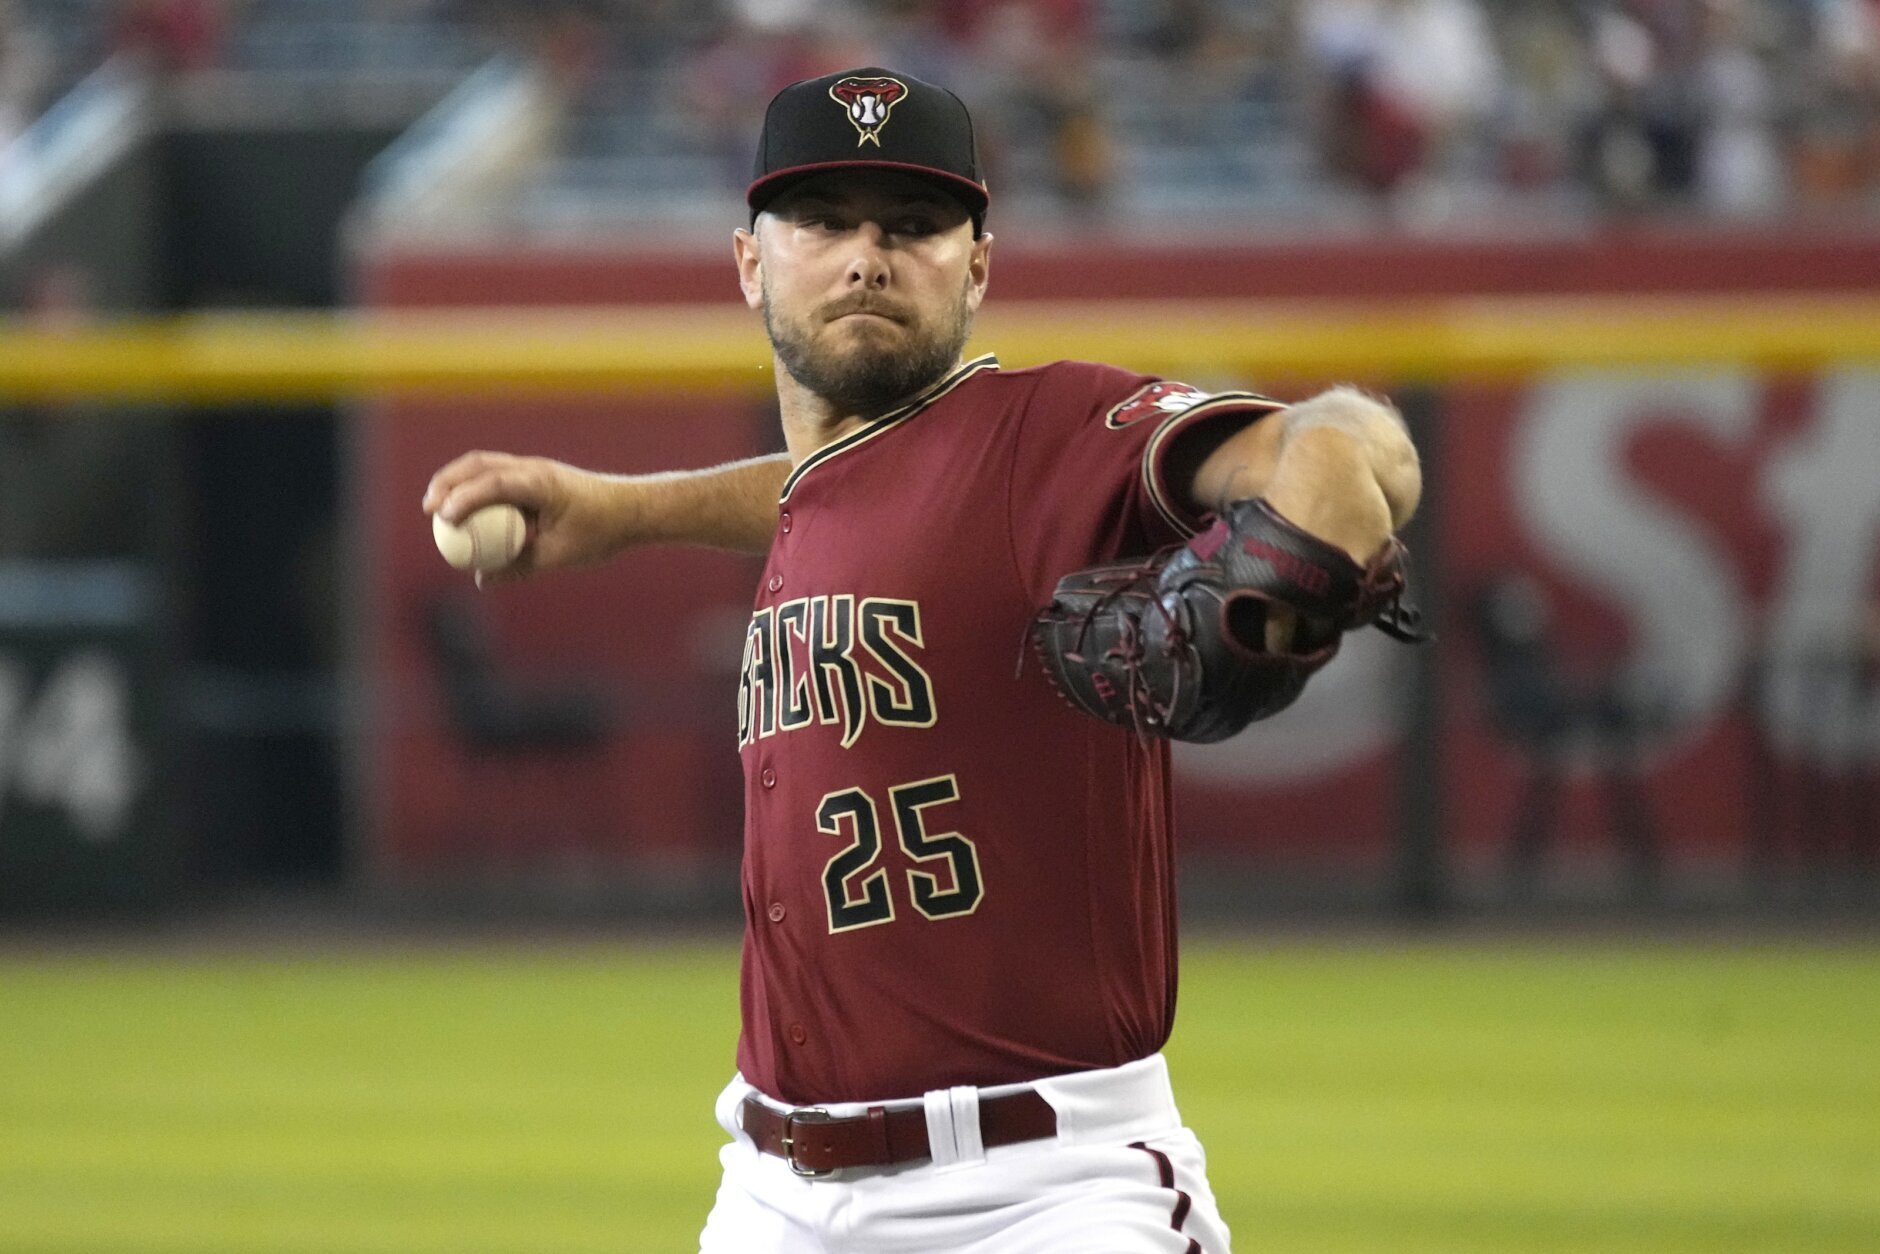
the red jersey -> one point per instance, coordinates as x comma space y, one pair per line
951, 876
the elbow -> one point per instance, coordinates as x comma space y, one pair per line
1399, 475
1381, 435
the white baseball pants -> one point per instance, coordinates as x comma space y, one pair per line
1123, 1176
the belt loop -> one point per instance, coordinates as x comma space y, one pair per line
953, 1133
878, 1134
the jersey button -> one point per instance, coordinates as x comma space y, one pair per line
798, 1033
769, 777
783, 523
776, 582
776, 912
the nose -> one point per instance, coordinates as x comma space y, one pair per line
868, 268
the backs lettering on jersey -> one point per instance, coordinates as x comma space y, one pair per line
1154, 400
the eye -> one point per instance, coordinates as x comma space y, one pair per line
915, 226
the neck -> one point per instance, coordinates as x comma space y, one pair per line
811, 421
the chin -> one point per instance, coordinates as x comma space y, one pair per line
862, 350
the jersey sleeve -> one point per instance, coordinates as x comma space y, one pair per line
1089, 480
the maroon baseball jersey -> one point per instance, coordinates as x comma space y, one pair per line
950, 876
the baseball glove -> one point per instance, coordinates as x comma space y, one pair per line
1175, 645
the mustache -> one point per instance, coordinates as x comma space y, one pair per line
865, 302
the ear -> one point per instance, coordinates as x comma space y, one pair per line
744, 248
979, 269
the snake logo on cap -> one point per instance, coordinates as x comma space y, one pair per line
868, 101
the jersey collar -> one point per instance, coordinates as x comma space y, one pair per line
899, 414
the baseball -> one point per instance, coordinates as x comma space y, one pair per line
488, 540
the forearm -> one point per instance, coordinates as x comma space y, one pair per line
733, 506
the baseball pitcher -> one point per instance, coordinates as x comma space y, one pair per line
959, 961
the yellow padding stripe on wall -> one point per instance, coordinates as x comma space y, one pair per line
315, 357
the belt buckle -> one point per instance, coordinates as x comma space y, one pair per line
806, 1114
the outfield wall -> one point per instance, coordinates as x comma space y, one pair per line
1701, 541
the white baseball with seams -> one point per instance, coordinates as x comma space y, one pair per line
487, 540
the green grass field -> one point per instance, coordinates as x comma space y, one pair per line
553, 1099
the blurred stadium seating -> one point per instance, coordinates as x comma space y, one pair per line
1429, 111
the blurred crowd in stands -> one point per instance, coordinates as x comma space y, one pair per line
1418, 109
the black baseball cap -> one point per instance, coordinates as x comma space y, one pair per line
868, 119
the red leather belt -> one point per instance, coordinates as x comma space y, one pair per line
815, 1143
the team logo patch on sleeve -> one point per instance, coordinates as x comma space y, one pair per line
868, 102
1154, 400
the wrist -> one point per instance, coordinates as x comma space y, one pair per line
620, 505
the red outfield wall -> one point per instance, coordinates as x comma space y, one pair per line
1667, 524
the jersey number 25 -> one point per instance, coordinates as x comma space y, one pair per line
859, 897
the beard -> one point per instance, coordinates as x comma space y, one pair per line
873, 368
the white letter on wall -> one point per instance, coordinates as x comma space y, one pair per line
1591, 519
